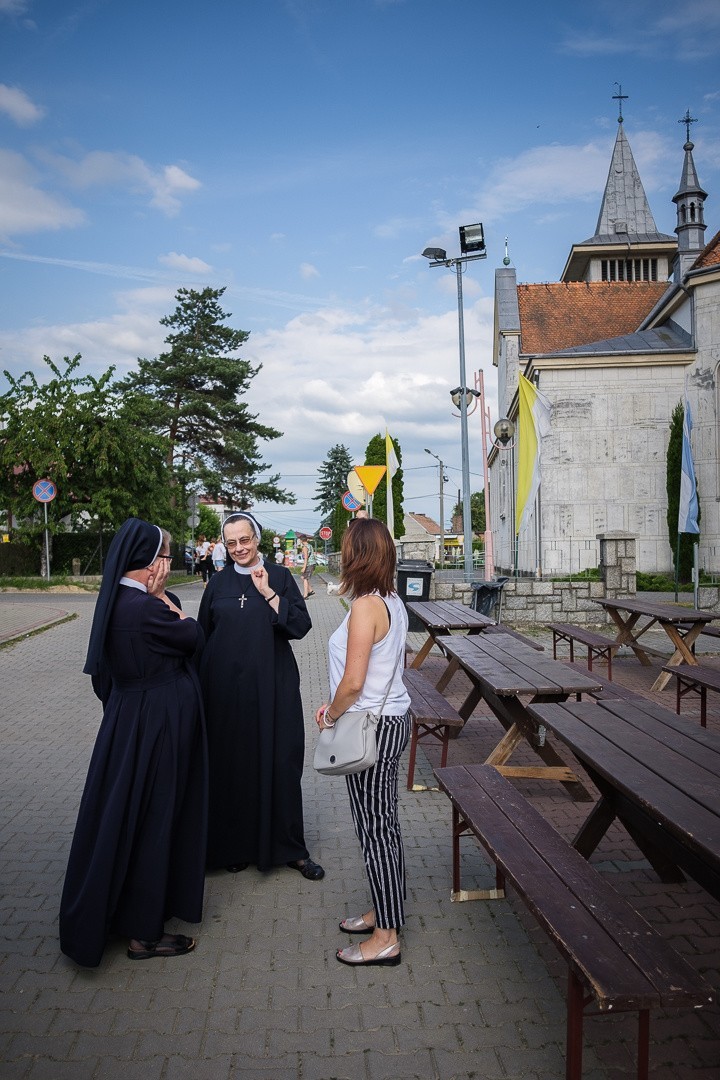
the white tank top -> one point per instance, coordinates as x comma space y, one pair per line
386, 655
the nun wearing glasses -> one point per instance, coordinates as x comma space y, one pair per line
138, 854
250, 613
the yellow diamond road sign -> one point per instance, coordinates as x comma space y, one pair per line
370, 476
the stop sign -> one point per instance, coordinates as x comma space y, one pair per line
325, 533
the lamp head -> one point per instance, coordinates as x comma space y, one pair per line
435, 254
504, 431
472, 238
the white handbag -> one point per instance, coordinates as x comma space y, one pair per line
350, 746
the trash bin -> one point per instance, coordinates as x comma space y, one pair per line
413, 583
487, 597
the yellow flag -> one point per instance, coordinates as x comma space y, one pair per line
533, 425
392, 467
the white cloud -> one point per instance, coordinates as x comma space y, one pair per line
24, 206
660, 28
307, 270
187, 263
336, 375
13, 7
101, 168
17, 105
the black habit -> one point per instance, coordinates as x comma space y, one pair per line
138, 853
256, 740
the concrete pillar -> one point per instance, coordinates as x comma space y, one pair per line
618, 563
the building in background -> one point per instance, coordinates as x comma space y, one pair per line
610, 344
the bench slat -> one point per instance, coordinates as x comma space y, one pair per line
427, 703
610, 946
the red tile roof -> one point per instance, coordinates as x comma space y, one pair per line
426, 523
710, 255
559, 316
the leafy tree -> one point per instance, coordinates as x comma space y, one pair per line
192, 395
375, 455
79, 432
477, 512
332, 480
208, 522
674, 470
338, 523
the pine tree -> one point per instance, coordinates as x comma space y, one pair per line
375, 455
332, 480
192, 395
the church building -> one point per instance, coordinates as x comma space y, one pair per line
633, 322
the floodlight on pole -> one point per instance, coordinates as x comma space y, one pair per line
472, 246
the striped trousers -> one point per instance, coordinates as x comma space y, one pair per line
374, 806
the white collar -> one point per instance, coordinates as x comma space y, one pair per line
248, 569
133, 584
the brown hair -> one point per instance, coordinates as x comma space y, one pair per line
368, 558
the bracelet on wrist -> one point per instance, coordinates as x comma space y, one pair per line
328, 721
269, 598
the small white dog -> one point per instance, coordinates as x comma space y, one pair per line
332, 588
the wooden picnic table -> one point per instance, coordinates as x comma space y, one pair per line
503, 672
657, 774
682, 625
441, 617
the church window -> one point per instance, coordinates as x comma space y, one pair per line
628, 269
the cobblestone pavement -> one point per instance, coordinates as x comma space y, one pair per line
480, 993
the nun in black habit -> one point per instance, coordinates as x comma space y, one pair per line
138, 853
249, 613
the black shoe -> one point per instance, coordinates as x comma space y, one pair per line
309, 869
236, 867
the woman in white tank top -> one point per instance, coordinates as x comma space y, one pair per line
365, 663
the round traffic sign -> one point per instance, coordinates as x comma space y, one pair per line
44, 491
350, 502
325, 533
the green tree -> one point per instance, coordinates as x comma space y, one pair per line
208, 522
375, 455
674, 470
477, 512
332, 480
79, 432
192, 394
338, 523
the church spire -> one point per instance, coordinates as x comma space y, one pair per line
690, 202
624, 210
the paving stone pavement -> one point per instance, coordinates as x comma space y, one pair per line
479, 994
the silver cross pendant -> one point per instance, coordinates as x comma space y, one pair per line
242, 601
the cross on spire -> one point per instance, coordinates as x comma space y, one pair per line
687, 120
620, 97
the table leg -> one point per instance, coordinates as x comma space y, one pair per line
422, 654
513, 716
453, 666
684, 653
625, 634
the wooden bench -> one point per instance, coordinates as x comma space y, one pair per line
431, 716
614, 956
614, 692
695, 677
597, 645
708, 630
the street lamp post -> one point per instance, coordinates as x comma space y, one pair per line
504, 432
472, 247
442, 507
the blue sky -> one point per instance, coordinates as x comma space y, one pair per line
302, 153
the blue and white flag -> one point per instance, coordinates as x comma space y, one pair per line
688, 510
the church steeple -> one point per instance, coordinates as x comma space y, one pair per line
626, 244
625, 212
690, 202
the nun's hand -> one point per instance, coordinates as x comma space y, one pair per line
261, 583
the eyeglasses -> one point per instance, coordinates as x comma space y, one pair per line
243, 542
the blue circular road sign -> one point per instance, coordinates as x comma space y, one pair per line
44, 491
